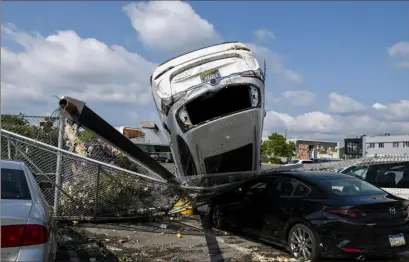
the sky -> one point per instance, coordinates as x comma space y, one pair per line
334, 69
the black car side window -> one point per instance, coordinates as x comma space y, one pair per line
392, 175
256, 189
285, 187
301, 190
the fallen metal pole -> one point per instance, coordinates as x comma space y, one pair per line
79, 113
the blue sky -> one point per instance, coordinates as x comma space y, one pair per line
339, 47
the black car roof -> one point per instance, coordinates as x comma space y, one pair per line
315, 176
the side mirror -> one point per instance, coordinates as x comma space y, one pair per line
45, 185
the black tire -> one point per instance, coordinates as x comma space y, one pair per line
215, 217
302, 243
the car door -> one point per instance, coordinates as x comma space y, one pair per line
242, 206
254, 199
284, 199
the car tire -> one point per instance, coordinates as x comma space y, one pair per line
303, 244
215, 217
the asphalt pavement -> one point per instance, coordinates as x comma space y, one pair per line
176, 239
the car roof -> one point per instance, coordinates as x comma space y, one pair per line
315, 176
11, 164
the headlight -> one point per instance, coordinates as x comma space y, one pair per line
167, 103
254, 97
184, 117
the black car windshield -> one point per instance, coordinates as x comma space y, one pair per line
14, 184
350, 187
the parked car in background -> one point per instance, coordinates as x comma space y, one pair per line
27, 226
297, 162
325, 160
167, 158
316, 214
391, 177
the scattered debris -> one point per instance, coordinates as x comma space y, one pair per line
111, 248
178, 235
164, 226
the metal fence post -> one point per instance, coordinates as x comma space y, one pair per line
59, 159
97, 192
16, 151
8, 148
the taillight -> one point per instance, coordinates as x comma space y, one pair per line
254, 74
23, 235
347, 213
11, 235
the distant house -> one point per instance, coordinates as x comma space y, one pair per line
313, 149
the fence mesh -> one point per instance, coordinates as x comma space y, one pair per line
115, 186
86, 189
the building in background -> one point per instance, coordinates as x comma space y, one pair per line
353, 147
376, 145
386, 145
148, 137
313, 149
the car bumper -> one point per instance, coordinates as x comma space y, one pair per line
367, 242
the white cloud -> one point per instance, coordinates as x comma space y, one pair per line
275, 64
400, 51
319, 125
344, 105
66, 64
398, 111
299, 98
170, 25
263, 34
378, 106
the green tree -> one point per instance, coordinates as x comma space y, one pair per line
277, 146
87, 136
13, 120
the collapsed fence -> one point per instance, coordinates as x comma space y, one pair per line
87, 189
94, 181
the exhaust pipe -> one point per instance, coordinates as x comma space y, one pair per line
361, 258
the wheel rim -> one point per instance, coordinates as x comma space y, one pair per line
216, 216
301, 244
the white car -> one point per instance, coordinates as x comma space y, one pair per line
211, 102
298, 162
27, 225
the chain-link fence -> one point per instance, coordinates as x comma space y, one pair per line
93, 180
86, 189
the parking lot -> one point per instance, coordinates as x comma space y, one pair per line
177, 239
166, 239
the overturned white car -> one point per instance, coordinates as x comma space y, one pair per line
211, 102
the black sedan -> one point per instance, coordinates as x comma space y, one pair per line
316, 214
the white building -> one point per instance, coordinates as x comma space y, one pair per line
385, 145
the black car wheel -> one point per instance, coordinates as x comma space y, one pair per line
302, 243
215, 217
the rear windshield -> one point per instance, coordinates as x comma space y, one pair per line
14, 184
350, 187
